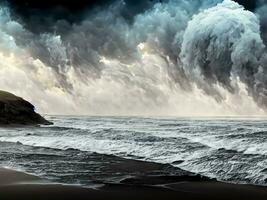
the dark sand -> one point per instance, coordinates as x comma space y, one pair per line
18, 185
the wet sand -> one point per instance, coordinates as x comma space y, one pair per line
18, 185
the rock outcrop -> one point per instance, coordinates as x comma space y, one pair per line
15, 111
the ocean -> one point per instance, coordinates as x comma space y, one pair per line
90, 150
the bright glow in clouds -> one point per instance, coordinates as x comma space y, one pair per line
143, 73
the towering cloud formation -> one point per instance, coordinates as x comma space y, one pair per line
135, 57
223, 44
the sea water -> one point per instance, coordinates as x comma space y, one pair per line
77, 150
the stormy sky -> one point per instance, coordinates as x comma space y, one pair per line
40, 15
151, 51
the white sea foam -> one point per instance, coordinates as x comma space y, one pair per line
223, 149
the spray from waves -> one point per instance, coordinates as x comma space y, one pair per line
222, 44
163, 63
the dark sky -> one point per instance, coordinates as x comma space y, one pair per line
24, 7
74, 5
45, 12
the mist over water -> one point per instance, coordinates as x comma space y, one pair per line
174, 58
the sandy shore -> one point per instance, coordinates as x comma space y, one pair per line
18, 185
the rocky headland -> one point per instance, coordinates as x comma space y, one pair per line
15, 111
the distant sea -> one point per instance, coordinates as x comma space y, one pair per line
79, 150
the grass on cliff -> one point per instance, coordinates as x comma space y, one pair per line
6, 96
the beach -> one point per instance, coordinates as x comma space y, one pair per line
19, 185
134, 158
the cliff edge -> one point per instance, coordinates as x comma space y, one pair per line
15, 111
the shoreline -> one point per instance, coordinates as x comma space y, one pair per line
18, 185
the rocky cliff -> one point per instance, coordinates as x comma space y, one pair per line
15, 111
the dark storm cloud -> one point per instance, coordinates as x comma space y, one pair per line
248, 4
261, 10
91, 28
40, 16
79, 34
